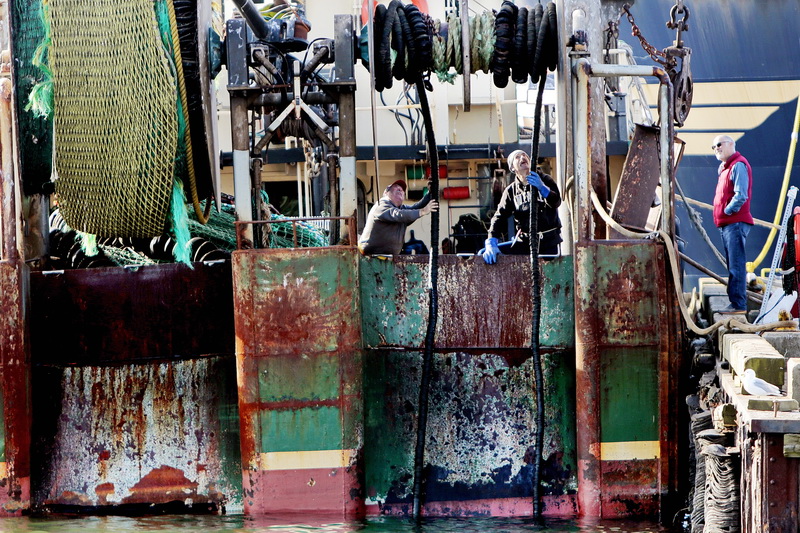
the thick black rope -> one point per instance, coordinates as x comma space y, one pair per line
536, 282
546, 50
427, 357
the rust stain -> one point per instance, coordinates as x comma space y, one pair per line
624, 302
119, 422
15, 364
639, 474
103, 491
162, 485
69, 497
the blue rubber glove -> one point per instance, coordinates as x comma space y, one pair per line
491, 251
535, 181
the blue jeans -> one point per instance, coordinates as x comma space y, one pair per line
733, 239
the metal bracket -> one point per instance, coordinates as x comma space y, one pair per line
298, 106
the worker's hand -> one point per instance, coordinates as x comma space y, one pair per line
534, 180
432, 206
491, 251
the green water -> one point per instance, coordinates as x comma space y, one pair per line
238, 523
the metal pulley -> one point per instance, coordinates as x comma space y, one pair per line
682, 85
681, 78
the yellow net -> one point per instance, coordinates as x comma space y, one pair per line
115, 117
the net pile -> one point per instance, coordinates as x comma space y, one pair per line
220, 230
116, 148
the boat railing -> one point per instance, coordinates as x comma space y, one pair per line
321, 223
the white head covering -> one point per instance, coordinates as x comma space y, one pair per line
511, 156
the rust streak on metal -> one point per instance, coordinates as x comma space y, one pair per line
293, 404
15, 382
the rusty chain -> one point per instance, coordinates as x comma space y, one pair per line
681, 78
655, 54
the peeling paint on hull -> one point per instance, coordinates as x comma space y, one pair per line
299, 360
140, 434
15, 408
130, 409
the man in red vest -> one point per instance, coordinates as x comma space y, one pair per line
732, 216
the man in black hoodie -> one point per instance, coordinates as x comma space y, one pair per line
516, 202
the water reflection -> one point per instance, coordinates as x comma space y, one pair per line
305, 524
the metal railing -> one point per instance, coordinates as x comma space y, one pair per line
245, 244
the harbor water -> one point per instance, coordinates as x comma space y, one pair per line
301, 524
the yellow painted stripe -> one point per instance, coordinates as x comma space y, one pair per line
305, 460
735, 92
627, 451
3, 469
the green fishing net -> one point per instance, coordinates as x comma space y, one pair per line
116, 124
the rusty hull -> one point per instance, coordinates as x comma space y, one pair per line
134, 390
15, 407
626, 340
120, 315
129, 438
482, 403
300, 366
480, 306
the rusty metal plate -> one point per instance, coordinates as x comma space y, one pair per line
300, 366
296, 301
480, 306
95, 316
639, 179
15, 410
617, 297
128, 438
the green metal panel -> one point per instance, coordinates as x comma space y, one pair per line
480, 427
482, 306
394, 302
283, 378
629, 394
301, 429
620, 295
557, 319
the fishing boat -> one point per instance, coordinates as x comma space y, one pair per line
290, 373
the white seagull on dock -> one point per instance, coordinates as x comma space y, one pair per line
757, 386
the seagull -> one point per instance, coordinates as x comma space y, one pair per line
757, 386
